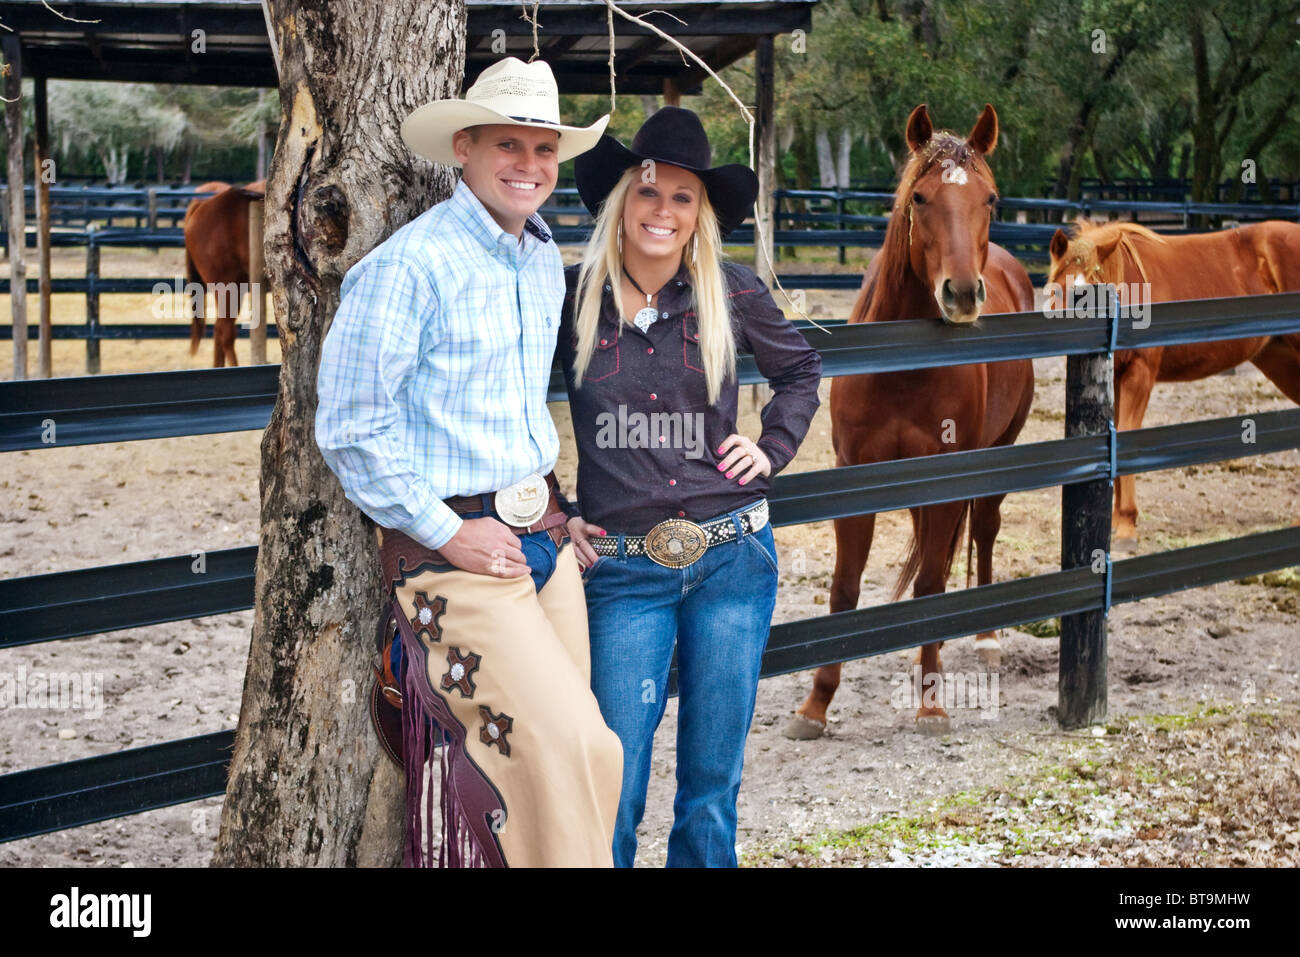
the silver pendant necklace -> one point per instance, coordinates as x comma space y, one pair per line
646, 317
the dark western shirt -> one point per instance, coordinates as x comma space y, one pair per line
647, 438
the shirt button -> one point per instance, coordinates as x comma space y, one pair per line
679, 282
681, 514
604, 342
663, 315
653, 396
672, 481
607, 289
650, 351
662, 439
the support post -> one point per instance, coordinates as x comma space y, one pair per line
44, 173
765, 160
1085, 541
256, 283
92, 300
13, 87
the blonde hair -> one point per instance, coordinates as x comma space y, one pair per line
601, 261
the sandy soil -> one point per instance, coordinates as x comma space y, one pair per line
1226, 655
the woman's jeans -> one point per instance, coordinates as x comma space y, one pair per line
717, 612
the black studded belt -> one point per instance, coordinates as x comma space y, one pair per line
676, 543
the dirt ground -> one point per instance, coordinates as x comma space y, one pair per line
1197, 763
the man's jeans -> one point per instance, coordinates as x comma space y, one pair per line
717, 612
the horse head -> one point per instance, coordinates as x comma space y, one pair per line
949, 195
1087, 254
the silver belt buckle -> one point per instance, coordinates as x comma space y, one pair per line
523, 503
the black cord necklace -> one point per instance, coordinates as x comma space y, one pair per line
644, 318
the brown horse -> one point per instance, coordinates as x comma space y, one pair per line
1252, 260
936, 262
216, 256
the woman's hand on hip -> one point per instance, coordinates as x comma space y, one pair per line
743, 460
579, 532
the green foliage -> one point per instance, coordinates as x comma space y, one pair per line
1131, 105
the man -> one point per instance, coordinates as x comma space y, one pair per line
432, 413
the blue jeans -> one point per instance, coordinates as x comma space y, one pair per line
717, 613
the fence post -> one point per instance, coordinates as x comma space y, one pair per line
839, 222
256, 268
152, 194
92, 301
1085, 530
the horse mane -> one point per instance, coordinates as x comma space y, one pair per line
895, 258
1086, 237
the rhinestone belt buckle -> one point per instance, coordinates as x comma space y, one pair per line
523, 503
675, 543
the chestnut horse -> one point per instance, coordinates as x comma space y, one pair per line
1251, 260
936, 262
216, 255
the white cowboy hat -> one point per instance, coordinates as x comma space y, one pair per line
509, 91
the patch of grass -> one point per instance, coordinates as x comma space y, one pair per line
1047, 628
1157, 789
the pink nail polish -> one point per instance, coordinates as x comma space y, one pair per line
719, 449
719, 466
743, 481
603, 532
730, 474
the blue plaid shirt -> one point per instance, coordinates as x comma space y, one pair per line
433, 374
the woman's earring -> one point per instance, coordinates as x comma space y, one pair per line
620, 239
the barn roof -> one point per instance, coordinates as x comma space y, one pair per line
149, 41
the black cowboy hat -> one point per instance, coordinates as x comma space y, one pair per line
675, 136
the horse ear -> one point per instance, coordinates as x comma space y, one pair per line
919, 129
984, 135
1060, 244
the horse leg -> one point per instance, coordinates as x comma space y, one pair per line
1280, 361
1132, 393
986, 520
937, 539
223, 336
852, 545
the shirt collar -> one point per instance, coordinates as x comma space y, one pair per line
474, 216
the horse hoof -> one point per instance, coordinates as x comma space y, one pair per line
933, 724
1124, 546
990, 657
801, 728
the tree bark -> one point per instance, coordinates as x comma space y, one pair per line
308, 783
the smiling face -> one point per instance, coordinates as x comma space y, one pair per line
511, 169
659, 217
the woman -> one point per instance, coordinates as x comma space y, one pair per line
671, 520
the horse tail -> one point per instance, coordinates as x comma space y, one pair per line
197, 322
912, 562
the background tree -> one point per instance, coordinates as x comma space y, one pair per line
308, 784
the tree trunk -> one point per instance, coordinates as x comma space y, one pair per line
842, 160
825, 162
309, 785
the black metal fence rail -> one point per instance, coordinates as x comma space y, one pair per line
122, 408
